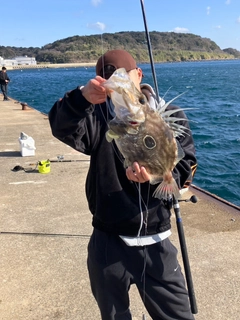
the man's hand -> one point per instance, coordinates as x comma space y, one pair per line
94, 92
137, 173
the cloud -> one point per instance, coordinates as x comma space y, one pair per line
208, 10
95, 3
97, 26
238, 19
180, 30
218, 27
228, 1
20, 39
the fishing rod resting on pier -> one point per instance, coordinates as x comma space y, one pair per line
176, 207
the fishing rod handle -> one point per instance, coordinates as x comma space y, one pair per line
186, 264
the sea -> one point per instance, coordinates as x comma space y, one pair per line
210, 88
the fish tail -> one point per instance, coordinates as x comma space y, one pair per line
166, 189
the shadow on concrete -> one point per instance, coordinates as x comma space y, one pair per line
10, 154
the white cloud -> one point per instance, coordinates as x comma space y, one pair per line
228, 1
95, 3
238, 19
180, 30
98, 25
208, 10
218, 27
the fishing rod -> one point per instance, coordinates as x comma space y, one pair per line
176, 207
150, 52
184, 252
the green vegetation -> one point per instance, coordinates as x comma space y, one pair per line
166, 46
233, 52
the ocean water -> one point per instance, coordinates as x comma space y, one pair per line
212, 88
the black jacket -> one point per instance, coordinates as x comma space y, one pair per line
113, 199
3, 77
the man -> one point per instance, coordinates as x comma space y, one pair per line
4, 79
117, 255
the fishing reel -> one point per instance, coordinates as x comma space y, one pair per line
169, 202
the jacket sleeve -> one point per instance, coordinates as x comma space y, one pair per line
2, 80
185, 169
73, 121
3, 77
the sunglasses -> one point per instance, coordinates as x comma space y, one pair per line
107, 71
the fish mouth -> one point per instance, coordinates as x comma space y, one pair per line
133, 127
134, 123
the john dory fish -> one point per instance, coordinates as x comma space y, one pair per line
145, 135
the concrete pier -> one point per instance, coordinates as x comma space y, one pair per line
45, 227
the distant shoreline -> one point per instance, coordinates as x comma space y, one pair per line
92, 64
53, 65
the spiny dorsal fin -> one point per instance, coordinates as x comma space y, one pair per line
161, 109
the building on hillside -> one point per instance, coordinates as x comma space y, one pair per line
25, 60
7, 62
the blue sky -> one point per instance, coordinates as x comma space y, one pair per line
26, 23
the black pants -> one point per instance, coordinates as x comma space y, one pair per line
113, 267
4, 91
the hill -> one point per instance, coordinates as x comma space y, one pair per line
233, 52
166, 46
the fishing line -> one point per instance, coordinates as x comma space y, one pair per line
106, 121
141, 201
143, 221
143, 277
103, 69
137, 185
141, 212
140, 198
115, 149
158, 100
145, 204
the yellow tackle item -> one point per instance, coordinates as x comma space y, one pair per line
44, 166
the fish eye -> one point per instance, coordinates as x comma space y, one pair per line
142, 100
149, 142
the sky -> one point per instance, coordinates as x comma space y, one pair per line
31, 23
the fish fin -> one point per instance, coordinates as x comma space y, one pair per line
167, 189
155, 180
108, 138
168, 113
162, 108
166, 92
110, 135
178, 129
180, 153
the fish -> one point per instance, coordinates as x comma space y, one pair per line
145, 135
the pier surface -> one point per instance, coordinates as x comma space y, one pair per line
45, 227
